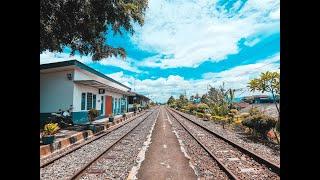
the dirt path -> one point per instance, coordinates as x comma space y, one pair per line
164, 159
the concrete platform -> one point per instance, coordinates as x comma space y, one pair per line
164, 158
65, 138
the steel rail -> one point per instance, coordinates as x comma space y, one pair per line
230, 174
274, 167
96, 137
82, 170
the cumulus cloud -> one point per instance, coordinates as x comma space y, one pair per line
162, 88
191, 32
127, 64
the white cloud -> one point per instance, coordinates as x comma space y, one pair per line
161, 89
127, 64
192, 32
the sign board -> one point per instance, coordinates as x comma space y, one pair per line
102, 91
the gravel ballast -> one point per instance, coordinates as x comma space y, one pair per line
204, 166
66, 166
264, 151
240, 164
120, 159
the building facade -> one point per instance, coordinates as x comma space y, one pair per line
72, 83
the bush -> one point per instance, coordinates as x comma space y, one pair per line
260, 124
191, 107
93, 113
254, 111
207, 116
202, 107
231, 115
200, 115
51, 129
244, 115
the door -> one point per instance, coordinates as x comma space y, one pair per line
108, 105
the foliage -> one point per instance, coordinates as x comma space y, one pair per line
93, 113
191, 107
207, 116
200, 115
83, 25
219, 110
260, 123
171, 100
267, 82
254, 111
202, 107
232, 114
182, 101
51, 129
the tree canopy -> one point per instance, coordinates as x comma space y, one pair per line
171, 100
83, 25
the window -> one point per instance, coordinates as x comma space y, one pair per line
89, 101
94, 101
83, 101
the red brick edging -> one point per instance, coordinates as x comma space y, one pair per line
46, 150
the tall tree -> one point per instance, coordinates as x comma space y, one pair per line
191, 97
83, 25
268, 82
171, 100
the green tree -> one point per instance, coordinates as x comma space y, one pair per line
230, 97
171, 100
268, 82
182, 101
191, 97
83, 25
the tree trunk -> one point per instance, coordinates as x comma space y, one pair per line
278, 122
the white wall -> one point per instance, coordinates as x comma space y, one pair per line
80, 88
56, 91
81, 74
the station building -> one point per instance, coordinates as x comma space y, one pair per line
138, 99
72, 83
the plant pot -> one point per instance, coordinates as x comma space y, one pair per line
48, 139
111, 119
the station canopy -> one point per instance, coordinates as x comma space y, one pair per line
97, 84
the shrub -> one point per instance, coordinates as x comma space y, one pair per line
217, 118
207, 116
244, 115
231, 115
191, 107
51, 129
260, 124
202, 107
200, 115
93, 113
254, 111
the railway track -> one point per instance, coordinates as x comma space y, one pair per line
55, 156
74, 164
236, 161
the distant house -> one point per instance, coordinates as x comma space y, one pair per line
72, 83
257, 99
196, 100
138, 99
240, 105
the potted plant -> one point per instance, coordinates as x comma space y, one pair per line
124, 116
48, 133
92, 114
111, 118
135, 108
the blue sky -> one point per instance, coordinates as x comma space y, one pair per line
186, 45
